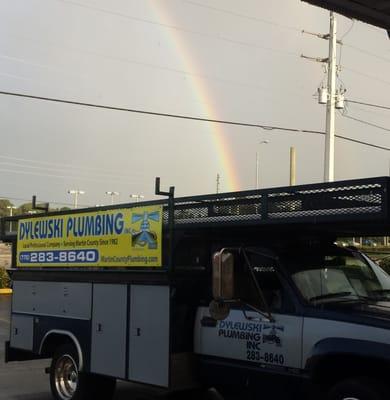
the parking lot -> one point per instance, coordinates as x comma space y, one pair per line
22, 381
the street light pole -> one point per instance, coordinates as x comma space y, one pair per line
11, 208
112, 194
75, 193
137, 197
258, 163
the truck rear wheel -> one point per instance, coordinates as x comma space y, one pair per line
359, 389
68, 383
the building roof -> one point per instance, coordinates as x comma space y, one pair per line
374, 12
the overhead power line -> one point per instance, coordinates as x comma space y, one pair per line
216, 37
363, 143
368, 104
219, 37
348, 31
244, 16
362, 121
26, 171
148, 65
370, 112
344, 113
59, 167
279, 25
158, 114
184, 117
199, 33
182, 29
211, 78
368, 76
366, 52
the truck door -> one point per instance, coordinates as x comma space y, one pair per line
249, 335
281, 338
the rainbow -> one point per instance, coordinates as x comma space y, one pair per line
228, 171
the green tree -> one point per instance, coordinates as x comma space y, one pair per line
4, 278
24, 209
4, 203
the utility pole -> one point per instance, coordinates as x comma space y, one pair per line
292, 166
333, 98
75, 193
330, 106
218, 182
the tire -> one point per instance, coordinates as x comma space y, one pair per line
68, 383
359, 389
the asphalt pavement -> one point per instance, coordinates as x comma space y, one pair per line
21, 380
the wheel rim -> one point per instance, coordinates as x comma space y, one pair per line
66, 377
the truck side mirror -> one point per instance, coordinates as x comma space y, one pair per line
223, 284
223, 277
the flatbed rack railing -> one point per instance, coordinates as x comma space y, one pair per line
359, 201
353, 200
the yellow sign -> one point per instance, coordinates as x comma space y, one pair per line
128, 237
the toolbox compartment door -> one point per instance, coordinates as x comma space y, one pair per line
108, 350
22, 332
149, 334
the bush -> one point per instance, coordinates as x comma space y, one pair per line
4, 279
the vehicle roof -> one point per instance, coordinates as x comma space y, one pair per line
374, 12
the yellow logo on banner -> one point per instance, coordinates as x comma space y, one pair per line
128, 237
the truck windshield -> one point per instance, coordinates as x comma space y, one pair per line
337, 275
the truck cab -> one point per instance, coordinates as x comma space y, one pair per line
309, 310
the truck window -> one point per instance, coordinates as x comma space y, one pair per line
335, 275
272, 288
275, 293
266, 275
244, 285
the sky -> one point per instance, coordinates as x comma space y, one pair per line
219, 59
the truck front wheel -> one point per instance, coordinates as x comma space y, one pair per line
359, 389
68, 383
